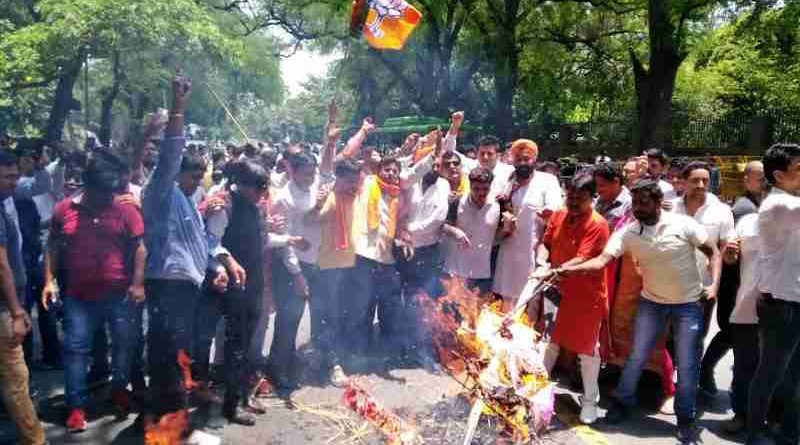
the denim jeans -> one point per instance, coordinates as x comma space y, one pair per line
289, 310
81, 318
326, 313
651, 322
171, 310
779, 337
375, 286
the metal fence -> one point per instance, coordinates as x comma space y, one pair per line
735, 134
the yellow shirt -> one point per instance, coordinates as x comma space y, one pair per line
329, 256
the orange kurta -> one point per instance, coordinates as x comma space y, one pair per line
583, 296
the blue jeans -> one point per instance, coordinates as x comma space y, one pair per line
81, 319
373, 286
326, 313
651, 322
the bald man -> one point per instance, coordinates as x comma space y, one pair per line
755, 187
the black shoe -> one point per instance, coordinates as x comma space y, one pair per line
708, 385
688, 432
617, 412
734, 425
240, 417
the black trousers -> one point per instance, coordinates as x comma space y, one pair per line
242, 309
723, 340
171, 310
745, 362
779, 340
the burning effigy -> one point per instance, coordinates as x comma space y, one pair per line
497, 357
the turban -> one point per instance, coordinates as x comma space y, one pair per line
524, 146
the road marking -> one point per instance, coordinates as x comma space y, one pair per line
567, 412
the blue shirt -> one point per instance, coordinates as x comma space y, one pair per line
175, 236
11, 240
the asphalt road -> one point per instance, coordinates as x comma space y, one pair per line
430, 400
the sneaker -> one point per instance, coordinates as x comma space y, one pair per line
668, 406
338, 377
76, 422
617, 412
121, 401
688, 432
588, 414
734, 425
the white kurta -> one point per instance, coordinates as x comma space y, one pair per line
518, 252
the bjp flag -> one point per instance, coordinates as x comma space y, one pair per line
385, 23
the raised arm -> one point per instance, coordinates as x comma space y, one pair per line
331, 137
356, 142
169, 156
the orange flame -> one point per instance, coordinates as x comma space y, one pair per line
454, 322
170, 427
186, 371
168, 430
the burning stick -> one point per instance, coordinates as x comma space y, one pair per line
395, 428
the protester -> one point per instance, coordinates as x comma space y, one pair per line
177, 261
14, 320
717, 219
92, 241
778, 309
665, 245
574, 235
529, 200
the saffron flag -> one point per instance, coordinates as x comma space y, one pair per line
386, 24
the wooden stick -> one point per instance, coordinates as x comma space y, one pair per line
228, 112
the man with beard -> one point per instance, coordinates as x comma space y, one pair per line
529, 200
665, 245
96, 252
573, 236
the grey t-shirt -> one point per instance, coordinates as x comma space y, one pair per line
744, 205
11, 240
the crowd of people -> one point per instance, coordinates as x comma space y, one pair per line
164, 238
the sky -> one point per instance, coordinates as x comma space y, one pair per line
304, 63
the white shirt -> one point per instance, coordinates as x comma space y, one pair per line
667, 189
294, 203
518, 252
779, 250
428, 212
717, 218
502, 172
667, 256
480, 225
747, 296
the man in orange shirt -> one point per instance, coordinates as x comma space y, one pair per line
574, 235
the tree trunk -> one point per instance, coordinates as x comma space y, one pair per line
107, 108
506, 68
656, 83
63, 102
505, 83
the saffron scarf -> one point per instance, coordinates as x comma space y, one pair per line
463, 185
376, 191
338, 225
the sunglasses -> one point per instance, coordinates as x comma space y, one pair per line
452, 163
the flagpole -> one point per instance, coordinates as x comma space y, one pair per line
228, 112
